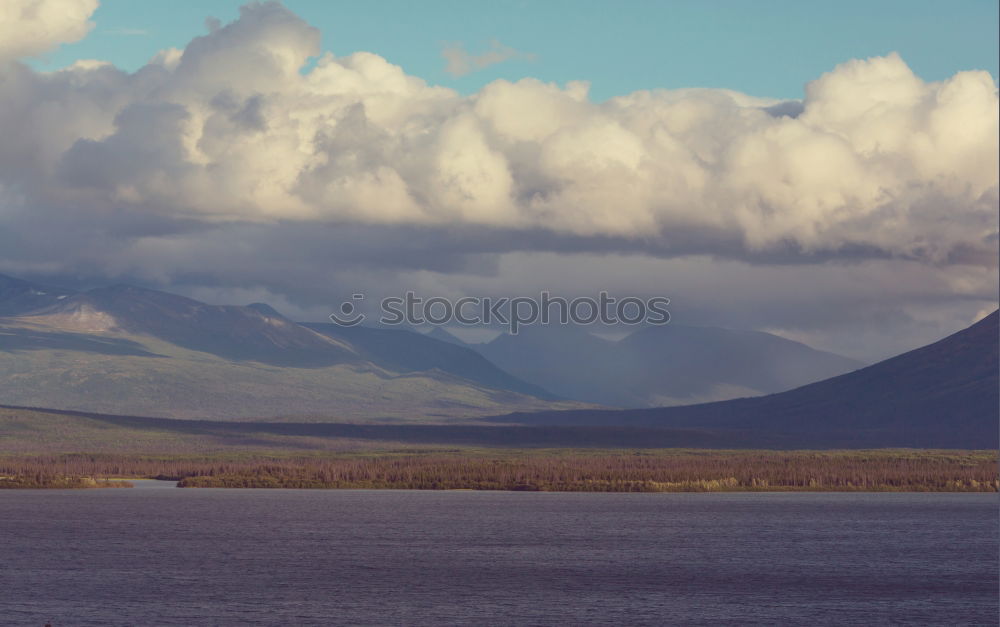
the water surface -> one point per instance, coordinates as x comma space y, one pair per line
151, 556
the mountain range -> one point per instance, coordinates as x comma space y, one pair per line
942, 395
659, 365
140, 352
125, 349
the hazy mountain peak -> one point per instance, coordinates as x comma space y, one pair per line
443, 335
668, 364
548, 334
266, 310
18, 296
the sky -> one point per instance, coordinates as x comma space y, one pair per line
770, 48
825, 171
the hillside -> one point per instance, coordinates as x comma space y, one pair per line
407, 351
941, 395
18, 296
125, 349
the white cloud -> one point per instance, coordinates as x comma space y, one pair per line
224, 160
31, 27
460, 62
230, 129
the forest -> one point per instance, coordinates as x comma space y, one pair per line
662, 470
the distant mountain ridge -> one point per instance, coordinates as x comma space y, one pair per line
657, 366
229, 331
443, 335
18, 296
945, 394
407, 351
128, 349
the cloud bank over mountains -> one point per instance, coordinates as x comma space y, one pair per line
252, 139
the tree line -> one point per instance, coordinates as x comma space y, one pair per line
621, 471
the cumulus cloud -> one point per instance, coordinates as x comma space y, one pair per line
226, 160
460, 62
31, 27
230, 130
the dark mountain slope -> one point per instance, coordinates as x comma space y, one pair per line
18, 296
942, 395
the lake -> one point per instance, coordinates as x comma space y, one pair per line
164, 556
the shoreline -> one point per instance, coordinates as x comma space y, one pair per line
526, 470
61, 483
